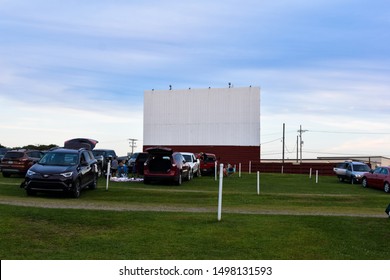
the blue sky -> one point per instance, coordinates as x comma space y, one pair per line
79, 68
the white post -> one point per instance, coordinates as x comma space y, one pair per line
250, 167
310, 173
215, 171
220, 191
258, 182
108, 173
282, 169
239, 170
316, 176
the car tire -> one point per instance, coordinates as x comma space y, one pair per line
364, 182
190, 175
386, 188
30, 192
76, 189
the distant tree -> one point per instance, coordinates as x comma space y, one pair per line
39, 147
1, 146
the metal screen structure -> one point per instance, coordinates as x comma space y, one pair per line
196, 117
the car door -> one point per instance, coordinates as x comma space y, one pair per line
382, 176
375, 180
85, 168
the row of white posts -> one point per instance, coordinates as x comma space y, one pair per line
220, 182
258, 184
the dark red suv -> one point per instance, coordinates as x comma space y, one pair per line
19, 161
165, 165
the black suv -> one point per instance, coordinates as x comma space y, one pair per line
64, 170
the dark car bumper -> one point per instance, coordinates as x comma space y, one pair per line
48, 185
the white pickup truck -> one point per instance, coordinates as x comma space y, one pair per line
351, 171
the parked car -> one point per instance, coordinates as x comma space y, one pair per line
2, 153
340, 170
62, 170
103, 156
19, 161
136, 163
351, 171
378, 178
131, 161
165, 165
193, 162
207, 163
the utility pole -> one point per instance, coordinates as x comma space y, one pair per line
297, 148
300, 140
132, 144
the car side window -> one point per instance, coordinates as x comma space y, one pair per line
90, 154
82, 158
377, 170
384, 171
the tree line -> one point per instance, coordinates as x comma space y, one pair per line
32, 147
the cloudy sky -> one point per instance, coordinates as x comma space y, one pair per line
79, 68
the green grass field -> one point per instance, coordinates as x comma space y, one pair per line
292, 218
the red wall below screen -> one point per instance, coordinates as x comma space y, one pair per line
225, 154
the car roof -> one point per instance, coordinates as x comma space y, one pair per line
160, 151
64, 150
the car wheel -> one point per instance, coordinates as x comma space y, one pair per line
364, 183
30, 192
387, 187
190, 175
76, 189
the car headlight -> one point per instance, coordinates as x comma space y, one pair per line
30, 172
67, 174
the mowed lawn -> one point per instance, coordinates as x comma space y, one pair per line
292, 218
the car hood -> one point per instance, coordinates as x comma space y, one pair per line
161, 151
51, 169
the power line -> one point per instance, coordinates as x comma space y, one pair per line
271, 141
351, 132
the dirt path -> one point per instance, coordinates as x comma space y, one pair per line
79, 204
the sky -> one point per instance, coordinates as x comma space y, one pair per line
73, 69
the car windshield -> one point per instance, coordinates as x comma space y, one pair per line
98, 153
14, 155
134, 156
361, 168
188, 158
209, 159
61, 159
